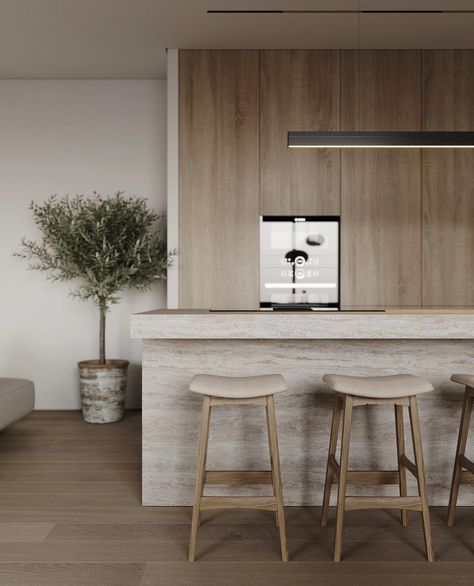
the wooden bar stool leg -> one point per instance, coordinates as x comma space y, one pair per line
460, 449
341, 494
400, 431
276, 475
420, 468
200, 475
336, 417
271, 460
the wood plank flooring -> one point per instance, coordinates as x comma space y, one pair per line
70, 514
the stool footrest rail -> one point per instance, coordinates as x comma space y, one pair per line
264, 503
238, 477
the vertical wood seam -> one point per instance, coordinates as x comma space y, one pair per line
341, 231
422, 101
259, 143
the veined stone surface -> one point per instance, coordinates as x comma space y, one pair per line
303, 326
171, 414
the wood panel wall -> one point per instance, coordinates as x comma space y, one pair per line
299, 90
219, 179
448, 181
381, 188
407, 217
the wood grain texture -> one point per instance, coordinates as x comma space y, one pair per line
381, 90
406, 215
402, 459
71, 574
366, 502
332, 467
448, 181
200, 475
467, 464
408, 464
371, 477
299, 90
307, 574
381, 188
264, 503
239, 477
276, 474
219, 178
363, 503
460, 460
136, 545
420, 476
42, 487
342, 476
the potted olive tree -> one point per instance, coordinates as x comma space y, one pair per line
106, 244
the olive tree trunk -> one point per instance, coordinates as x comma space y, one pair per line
102, 336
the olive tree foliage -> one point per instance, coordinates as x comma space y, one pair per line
105, 243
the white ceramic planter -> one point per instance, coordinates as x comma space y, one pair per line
103, 389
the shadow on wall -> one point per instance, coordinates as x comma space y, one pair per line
134, 390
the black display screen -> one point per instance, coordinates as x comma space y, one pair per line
299, 262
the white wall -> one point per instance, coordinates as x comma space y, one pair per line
71, 136
172, 172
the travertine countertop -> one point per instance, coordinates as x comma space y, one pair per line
373, 323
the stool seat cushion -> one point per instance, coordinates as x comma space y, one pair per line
238, 387
463, 379
17, 399
378, 387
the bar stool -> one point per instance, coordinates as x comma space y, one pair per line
352, 391
224, 390
463, 468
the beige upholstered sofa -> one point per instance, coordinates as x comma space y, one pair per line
17, 399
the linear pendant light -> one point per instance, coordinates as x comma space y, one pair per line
389, 140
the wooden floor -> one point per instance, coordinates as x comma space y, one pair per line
70, 513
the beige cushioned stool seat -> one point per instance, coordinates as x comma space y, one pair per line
464, 379
378, 387
238, 387
17, 399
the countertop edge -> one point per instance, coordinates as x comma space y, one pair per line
302, 325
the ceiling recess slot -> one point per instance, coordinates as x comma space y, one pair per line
340, 11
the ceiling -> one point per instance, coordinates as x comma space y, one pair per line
128, 38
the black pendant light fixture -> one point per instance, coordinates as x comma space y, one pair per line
390, 140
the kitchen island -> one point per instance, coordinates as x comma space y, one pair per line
302, 346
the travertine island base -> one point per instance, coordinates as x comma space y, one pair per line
302, 347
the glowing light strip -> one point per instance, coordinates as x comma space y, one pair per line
367, 11
380, 146
300, 285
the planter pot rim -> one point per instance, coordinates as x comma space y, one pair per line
112, 363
